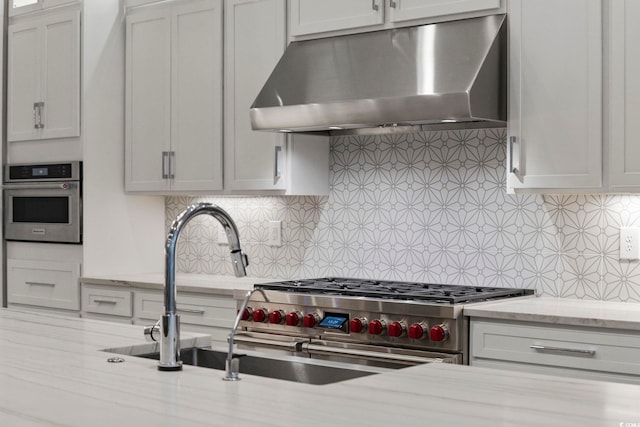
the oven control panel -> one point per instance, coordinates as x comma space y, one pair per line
412, 331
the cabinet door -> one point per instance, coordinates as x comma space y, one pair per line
61, 75
148, 100
196, 101
555, 93
255, 38
23, 80
405, 10
624, 105
317, 16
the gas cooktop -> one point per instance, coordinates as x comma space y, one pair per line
391, 290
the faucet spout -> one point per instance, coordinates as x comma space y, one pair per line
170, 321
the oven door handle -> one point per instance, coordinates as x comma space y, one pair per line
67, 185
311, 348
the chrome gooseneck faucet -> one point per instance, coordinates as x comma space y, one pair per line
169, 324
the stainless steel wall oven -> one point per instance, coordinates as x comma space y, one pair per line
43, 202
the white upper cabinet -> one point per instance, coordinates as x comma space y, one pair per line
624, 95
555, 94
174, 97
17, 7
311, 17
407, 10
255, 39
43, 82
317, 16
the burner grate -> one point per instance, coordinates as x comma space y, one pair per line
390, 290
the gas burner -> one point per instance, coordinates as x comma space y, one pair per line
391, 290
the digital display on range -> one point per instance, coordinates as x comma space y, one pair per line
335, 321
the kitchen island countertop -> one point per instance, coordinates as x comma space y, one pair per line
561, 311
53, 372
187, 282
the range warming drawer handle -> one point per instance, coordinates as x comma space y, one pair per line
291, 346
572, 351
356, 353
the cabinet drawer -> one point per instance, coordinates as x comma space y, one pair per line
604, 350
114, 302
195, 309
43, 283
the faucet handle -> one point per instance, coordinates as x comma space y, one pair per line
151, 332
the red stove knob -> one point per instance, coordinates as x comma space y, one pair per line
260, 316
276, 317
247, 314
376, 327
396, 329
358, 325
439, 333
293, 318
416, 331
310, 320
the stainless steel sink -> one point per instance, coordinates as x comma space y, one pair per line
288, 368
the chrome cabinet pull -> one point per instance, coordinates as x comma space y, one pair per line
517, 170
105, 301
190, 310
374, 5
575, 351
277, 173
37, 115
165, 155
393, 4
40, 284
512, 142
172, 155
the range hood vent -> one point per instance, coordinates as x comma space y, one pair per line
406, 79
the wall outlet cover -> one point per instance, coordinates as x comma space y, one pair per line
630, 243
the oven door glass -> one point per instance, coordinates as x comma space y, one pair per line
45, 210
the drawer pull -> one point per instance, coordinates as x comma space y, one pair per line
190, 310
574, 351
104, 301
40, 284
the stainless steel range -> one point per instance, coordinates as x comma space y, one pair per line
379, 323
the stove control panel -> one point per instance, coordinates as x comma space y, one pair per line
354, 326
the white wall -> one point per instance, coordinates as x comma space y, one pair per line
122, 234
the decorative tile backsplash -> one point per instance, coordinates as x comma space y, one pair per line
428, 207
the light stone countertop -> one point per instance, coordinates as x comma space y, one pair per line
204, 283
52, 373
561, 311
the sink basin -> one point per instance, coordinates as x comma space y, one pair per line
288, 368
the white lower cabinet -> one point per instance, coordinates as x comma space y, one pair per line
571, 351
205, 313
43, 285
106, 304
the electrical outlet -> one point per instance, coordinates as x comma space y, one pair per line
630, 243
275, 233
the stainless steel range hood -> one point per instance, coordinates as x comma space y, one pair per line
393, 80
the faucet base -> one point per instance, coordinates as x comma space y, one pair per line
170, 368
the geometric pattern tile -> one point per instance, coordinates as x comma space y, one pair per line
430, 207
